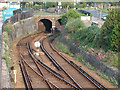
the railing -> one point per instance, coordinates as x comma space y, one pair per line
16, 18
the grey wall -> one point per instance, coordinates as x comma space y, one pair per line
23, 27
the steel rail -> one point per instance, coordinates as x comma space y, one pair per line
43, 78
25, 76
61, 67
38, 68
40, 62
51, 71
103, 87
97, 84
50, 58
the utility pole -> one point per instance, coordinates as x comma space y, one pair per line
101, 6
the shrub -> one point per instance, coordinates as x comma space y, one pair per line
8, 28
64, 19
74, 25
72, 14
88, 36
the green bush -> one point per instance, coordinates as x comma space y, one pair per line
8, 28
74, 25
88, 36
107, 29
72, 14
64, 19
90, 16
116, 37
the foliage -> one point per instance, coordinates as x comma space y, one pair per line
36, 6
116, 37
6, 55
87, 36
74, 25
29, 5
51, 4
107, 29
5, 37
64, 19
67, 4
4, 8
8, 28
81, 5
72, 14
90, 16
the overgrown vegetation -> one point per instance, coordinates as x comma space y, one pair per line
8, 28
6, 54
71, 14
74, 25
110, 30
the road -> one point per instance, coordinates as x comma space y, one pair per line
1, 20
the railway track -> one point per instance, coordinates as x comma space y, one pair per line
51, 70
36, 74
80, 77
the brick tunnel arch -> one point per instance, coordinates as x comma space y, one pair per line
58, 23
45, 25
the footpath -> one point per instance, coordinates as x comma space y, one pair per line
4, 73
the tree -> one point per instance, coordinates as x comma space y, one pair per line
112, 20
107, 29
36, 6
66, 4
51, 4
74, 25
116, 37
72, 14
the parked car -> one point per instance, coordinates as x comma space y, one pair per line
104, 17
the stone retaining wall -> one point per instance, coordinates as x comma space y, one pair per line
22, 28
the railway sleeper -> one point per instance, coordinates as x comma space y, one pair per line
59, 78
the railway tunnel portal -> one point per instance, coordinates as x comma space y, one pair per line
46, 22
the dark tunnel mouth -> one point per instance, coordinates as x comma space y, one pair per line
47, 23
59, 20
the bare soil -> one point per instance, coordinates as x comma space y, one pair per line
15, 62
